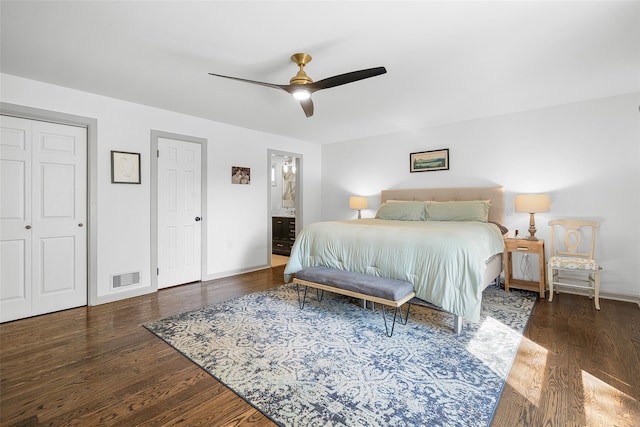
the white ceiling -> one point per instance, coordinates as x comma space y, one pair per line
447, 61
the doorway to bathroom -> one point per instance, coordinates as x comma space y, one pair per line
285, 202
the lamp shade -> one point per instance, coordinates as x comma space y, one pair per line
532, 203
357, 202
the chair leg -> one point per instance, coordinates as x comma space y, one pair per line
596, 286
550, 281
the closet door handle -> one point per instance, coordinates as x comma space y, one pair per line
198, 218
28, 227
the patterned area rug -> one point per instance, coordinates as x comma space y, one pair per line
331, 364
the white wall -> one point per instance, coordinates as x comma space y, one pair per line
585, 155
238, 215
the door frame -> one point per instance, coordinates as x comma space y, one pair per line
91, 125
298, 203
155, 134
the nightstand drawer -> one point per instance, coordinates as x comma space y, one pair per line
522, 245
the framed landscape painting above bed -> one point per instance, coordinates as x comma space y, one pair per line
425, 161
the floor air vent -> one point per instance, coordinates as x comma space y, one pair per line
125, 279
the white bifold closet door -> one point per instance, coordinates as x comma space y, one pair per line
43, 238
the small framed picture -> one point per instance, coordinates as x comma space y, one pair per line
425, 161
240, 175
125, 167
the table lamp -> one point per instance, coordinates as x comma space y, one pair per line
359, 203
532, 204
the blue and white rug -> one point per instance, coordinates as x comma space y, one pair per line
331, 364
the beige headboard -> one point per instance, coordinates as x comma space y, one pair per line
495, 194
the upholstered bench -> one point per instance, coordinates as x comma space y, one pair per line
384, 291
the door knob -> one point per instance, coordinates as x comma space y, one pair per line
80, 225
198, 218
28, 227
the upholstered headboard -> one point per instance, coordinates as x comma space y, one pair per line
495, 194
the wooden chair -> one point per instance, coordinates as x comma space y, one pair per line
572, 250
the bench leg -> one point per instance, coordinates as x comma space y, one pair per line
395, 315
304, 297
319, 294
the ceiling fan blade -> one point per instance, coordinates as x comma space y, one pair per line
307, 106
273, 85
342, 79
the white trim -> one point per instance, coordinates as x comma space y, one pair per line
634, 299
229, 273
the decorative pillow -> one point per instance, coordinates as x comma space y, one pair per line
503, 229
403, 211
473, 210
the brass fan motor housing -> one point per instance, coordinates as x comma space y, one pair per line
301, 78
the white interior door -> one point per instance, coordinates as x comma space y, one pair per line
43, 247
15, 218
179, 212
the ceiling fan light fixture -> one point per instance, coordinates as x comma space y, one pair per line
302, 86
301, 94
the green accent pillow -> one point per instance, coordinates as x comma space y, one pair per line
403, 211
474, 210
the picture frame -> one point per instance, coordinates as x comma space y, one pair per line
240, 175
125, 167
428, 161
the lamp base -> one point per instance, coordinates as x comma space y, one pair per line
532, 228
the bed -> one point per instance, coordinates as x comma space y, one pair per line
447, 242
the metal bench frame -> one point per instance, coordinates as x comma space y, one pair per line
384, 302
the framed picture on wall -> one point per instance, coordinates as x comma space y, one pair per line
425, 161
125, 167
240, 175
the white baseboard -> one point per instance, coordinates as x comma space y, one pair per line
229, 273
635, 299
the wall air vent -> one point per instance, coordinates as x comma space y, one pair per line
125, 279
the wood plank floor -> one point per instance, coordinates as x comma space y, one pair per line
95, 366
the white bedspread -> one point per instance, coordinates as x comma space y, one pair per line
445, 260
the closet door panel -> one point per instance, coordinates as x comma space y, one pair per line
15, 218
59, 217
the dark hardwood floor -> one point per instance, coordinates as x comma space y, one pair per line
94, 366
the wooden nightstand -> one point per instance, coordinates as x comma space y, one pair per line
523, 246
